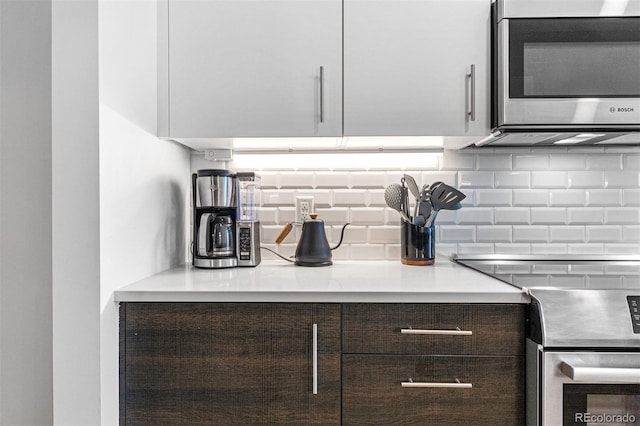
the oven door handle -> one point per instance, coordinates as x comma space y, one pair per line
601, 374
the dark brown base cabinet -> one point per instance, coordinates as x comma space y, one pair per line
377, 364
228, 363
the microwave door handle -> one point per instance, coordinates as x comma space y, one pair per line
601, 374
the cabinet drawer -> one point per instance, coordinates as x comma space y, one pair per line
372, 390
449, 329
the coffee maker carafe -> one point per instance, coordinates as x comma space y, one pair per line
215, 215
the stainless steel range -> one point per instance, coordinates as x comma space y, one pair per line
583, 335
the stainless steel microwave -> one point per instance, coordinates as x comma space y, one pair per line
566, 66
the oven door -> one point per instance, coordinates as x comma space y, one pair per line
568, 73
590, 388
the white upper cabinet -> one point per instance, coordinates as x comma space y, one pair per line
251, 68
407, 65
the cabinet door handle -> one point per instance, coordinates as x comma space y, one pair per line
315, 359
456, 332
322, 94
455, 385
472, 93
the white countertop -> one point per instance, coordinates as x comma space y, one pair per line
344, 281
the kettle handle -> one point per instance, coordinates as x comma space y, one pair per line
341, 236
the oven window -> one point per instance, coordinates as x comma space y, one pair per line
600, 404
574, 58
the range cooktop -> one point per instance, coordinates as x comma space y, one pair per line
577, 301
593, 272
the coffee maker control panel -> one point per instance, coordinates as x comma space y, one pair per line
248, 243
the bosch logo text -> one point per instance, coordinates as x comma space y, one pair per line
627, 109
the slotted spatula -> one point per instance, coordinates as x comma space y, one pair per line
445, 197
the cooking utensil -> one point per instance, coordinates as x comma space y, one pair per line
395, 198
413, 187
445, 197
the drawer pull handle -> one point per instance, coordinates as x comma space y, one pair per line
456, 332
315, 359
456, 385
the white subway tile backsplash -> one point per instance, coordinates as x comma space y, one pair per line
268, 215
278, 197
531, 234
475, 216
631, 162
387, 234
567, 162
269, 180
548, 216
498, 234
367, 215
586, 248
513, 179
604, 197
531, 162
367, 251
549, 179
376, 198
476, 179
427, 178
604, 234
322, 198
286, 215
520, 201
513, 248
350, 197
297, 180
621, 215
549, 248
568, 198
631, 234
494, 197
531, 197
455, 234
495, 162
455, 160
464, 248
631, 197
590, 179
332, 180
392, 252
334, 215
512, 216
604, 162
352, 234
368, 180
624, 179
585, 215
573, 234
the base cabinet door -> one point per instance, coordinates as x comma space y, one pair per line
432, 390
229, 363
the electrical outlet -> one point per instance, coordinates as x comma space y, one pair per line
304, 207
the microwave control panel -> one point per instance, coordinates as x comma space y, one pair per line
634, 308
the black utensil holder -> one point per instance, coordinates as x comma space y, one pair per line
417, 244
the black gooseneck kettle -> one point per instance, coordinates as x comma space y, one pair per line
313, 248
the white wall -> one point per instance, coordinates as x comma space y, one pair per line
25, 213
76, 214
144, 181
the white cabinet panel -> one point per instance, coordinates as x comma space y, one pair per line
250, 68
406, 64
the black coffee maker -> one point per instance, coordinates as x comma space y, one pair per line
214, 218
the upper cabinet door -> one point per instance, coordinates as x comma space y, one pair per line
249, 68
407, 65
